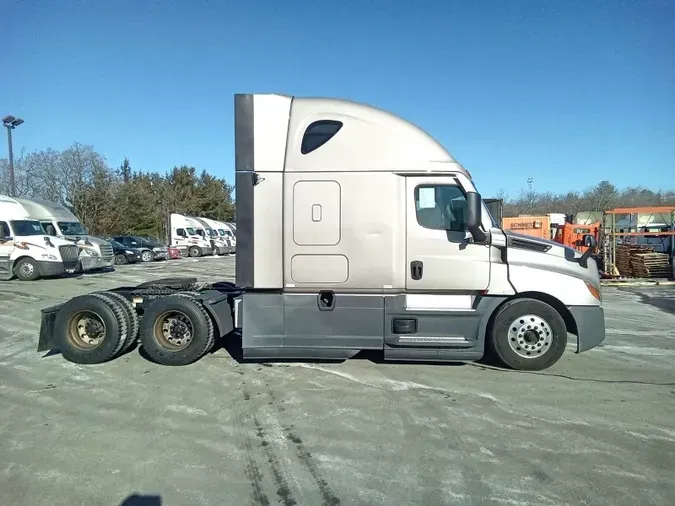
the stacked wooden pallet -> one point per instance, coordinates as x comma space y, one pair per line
650, 265
624, 257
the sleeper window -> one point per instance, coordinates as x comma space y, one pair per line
318, 134
441, 207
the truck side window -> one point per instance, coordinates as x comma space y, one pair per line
180, 232
4, 230
441, 207
318, 134
49, 228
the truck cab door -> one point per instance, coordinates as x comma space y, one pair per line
6, 248
441, 255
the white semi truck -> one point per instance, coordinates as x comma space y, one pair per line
184, 236
26, 251
59, 221
205, 230
359, 231
219, 235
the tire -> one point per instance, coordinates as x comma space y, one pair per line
27, 269
121, 260
527, 335
132, 319
96, 307
147, 256
185, 309
194, 252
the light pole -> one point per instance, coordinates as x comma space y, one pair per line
10, 123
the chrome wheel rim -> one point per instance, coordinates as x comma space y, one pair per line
26, 269
530, 336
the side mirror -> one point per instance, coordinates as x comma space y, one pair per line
474, 219
590, 242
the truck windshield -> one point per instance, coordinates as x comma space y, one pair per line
27, 227
221, 231
190, 231
211, 232
72, 228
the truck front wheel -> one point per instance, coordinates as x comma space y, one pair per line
527, 334
26, 269
90, 329
176, 330
194, 252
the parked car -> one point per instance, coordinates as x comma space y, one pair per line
125, 254
174, 253
149, 250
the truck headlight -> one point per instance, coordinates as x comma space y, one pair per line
90, 252
128, 252
49, 257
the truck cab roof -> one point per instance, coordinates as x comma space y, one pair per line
280, 132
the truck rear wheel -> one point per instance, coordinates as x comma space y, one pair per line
528, 334
195, 252
90, 329
132, 319
176, 330
27, 269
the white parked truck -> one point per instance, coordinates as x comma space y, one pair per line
26, 251
59, 221
359, 231
216, 232
204, 229
184, 236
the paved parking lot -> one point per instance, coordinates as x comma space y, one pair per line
598, 428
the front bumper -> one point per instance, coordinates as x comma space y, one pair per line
90, 263
590, 321
161, 255
48, 269
133, 258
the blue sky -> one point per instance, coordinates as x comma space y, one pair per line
568, 92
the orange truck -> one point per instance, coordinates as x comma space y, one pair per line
535, 226
572, 235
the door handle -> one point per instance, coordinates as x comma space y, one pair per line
416, 269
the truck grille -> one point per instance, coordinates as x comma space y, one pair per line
68, 253
106, 250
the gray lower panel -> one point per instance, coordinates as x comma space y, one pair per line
590, 322
288, 325
436, 335
6, 266
295, 321
262, 320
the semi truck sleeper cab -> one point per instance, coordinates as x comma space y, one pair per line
356, 231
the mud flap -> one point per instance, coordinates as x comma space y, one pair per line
46, 340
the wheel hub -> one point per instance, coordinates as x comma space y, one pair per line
86, 330
530, 336
177, 331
